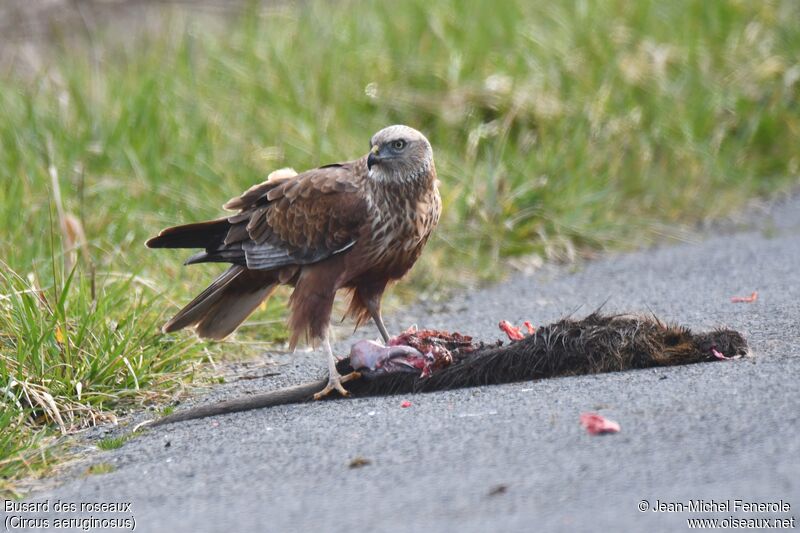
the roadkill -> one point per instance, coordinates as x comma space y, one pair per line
432, 360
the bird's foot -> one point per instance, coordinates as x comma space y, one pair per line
335, 383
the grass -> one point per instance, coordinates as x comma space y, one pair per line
100, 469
112, 443
557, 127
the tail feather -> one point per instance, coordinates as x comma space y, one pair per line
196, 309
208, 235
233, 255
226, 303
229, 311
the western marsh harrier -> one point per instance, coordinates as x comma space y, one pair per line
357, 225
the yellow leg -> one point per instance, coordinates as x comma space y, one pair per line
335, 379
375, 311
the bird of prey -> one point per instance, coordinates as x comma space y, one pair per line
357, 225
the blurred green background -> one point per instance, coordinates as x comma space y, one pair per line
559, 129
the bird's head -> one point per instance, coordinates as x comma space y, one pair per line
400, 154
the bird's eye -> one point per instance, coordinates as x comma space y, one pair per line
399, 144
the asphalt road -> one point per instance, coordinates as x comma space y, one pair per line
512, 457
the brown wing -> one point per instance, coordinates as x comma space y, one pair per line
293, 220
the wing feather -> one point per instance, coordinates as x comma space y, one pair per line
294, 219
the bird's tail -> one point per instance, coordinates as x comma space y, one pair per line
209, 234
227, 302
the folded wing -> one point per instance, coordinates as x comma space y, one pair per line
286, 220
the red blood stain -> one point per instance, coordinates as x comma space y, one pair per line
513, 333
745, 299
597, 424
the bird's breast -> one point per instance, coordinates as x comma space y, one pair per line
398, 229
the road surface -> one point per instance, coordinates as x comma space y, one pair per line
512, 457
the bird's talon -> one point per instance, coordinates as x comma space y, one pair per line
335, 383
350, 377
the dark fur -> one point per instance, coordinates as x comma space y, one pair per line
568, 347
594, 344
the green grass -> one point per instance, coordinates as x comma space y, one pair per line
100, 469
112, 443
557, 126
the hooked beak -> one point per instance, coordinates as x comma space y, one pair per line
373, 157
